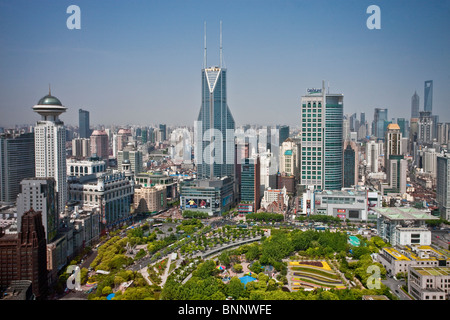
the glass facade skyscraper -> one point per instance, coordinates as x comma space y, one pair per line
16, 163
83, 117
214, 152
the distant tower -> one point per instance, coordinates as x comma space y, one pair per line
83, 127
50, 145
214, 154
350, 178
415, 105
428, 97
99, 144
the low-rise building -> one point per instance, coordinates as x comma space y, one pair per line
398, 259
211, 196
150, 199
349, 204
111, 192
429, 283
403, 225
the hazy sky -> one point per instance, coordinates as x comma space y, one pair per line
139, 61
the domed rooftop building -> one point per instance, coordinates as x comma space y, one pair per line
49, 107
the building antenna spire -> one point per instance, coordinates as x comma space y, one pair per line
49, 90
204, 54
221, 55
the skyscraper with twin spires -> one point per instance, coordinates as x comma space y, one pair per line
214, 153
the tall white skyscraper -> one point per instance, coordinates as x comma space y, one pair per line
321, 156
50, 149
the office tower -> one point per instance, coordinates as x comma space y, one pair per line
380, 122
350, 178
443, 185
84, 130
144, 136
214, 151
346, 128
163, 131
443, 130
16, 163
322, 139
392, 143
415, 105
32, 253
397, 174
402, 123
288, 158
283, 134
50, 145
429, 161
362, 118
250, 185
123, 139
352, 122
39, 194
372, 154
428, 96
100, 144
435, 119
133, 155
81, 148
425, 128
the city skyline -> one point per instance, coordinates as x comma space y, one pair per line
134, 56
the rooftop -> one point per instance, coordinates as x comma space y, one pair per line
404, 213
433, 271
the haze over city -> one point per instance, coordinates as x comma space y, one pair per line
139, 62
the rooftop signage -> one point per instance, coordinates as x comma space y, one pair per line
313, 90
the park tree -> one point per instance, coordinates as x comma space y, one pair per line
235, 288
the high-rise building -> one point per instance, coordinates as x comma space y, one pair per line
214, 153
350, 178
443, 185
428, 96
39, 194
322, 139
163, 131
84, 130
81, 148
123, 137
397, 175
32, 253
283, 134
443, 133
403, 124
392, 143
425, 127
16, 163
23, 256
415, 105
50, 145
372, 154
288, 158
250, 197
134, 156
100, 144
380, 122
